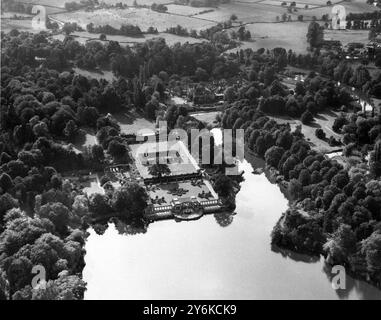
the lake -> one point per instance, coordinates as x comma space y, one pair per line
229, 257
217, 257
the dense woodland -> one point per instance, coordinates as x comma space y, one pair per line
45, 107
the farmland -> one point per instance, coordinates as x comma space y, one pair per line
346, 36
52, 3
139, 2
259, 17
290, 35
142, 17
83, 37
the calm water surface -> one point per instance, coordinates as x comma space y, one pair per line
216, 257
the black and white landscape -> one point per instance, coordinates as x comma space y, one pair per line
190, 149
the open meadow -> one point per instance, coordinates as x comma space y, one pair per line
142, 17
51, 3
83, 37
289, 35
346, 36
139, 2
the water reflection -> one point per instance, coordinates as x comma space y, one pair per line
132, 228
297, 257
224, 219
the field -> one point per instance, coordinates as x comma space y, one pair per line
170, 39
185, 10
312, 2
245, 12
139, 2
289, 35
144, 18
298, 4
52, 3
22, 25
346, 36
354, 6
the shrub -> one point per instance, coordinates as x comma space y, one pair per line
320, 134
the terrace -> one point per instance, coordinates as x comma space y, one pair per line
186, 200
164, 193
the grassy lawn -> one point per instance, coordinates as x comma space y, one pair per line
322, 120
346, 36
289, 35
104, 74
142, 17
208, 117
131, 122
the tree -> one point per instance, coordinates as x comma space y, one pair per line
229, 94
66, 287
70, 130
130, 201
295, 189
98, 205
201, 74
260, 146
57, 213
6, 182
97, 153
223, 185
116, 149
338, 123
341, 245
375, 159
371, 248
41, 129
307, 117
273, 156
7, 202
304, 177
320, 134
159, 169
233, 17
314, 35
